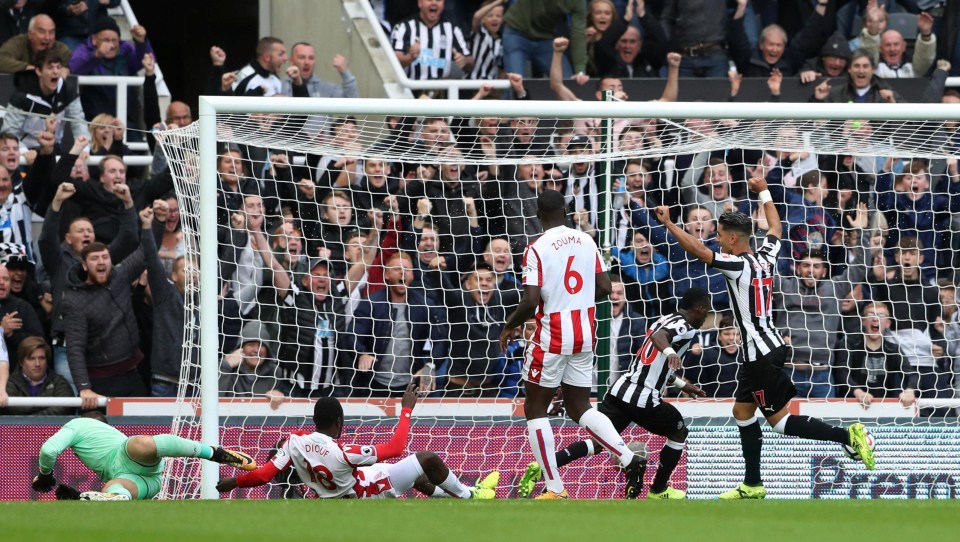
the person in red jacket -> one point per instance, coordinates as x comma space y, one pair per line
333, 470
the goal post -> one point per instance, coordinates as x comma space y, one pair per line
903, 130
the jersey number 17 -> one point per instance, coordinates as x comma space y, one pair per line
763, 295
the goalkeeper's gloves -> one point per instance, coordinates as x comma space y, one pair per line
67, 493
43, 483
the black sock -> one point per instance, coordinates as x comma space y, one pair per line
572, 453
669, 457
814, 429
751, 440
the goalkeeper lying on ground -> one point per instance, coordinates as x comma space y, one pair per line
130, 468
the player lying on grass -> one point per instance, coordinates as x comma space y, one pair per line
637, 395
333, 470
129, 467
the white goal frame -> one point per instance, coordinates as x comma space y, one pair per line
210, 106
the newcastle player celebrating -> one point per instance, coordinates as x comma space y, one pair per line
762, 382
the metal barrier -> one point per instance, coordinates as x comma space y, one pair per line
452, 86
51, 402
121, 82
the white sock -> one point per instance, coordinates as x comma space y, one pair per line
439, 493
782, 424
746, 423
540, 434
453, 486
602, 430
673, 444
590, 450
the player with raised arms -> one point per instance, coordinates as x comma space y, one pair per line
563, 277
335, 471
637, 395
129, 467
762, 381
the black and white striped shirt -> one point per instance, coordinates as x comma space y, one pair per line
487, 55
642, 384
437, 45
750, 284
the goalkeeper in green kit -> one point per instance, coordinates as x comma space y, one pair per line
129, 467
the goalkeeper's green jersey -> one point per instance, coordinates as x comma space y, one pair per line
93, 442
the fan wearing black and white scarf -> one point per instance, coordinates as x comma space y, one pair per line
15, 215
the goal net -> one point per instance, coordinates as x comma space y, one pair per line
359, 245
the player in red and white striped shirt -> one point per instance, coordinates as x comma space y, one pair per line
333, 470
563, 277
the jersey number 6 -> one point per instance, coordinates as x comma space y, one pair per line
572, 280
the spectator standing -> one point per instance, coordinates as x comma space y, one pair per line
700, 30
832, 62
100, 328
104, 53
687, 272
530, 27
915, 305
98, 199
261, 77
626, 331
637, 54
868, 365
75, 18
42, 94
476, 313
19, 320
499, 257
643, 270
312, 328
251, 370
428, 47
16, 220
810, 319
15, 17
167, 291
35, 378
24, 285
862, 86
17, 53
510, 206
487, 43
304, 56
775, 52
716, 369
889, 52
60, 255
400, 334
714, 191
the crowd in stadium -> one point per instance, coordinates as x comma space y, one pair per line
350, 277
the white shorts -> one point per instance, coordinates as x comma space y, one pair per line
550, 370
387, 480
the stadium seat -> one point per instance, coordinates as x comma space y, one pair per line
905, 23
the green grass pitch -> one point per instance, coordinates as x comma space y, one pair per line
463, 521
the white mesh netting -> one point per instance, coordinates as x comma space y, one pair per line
313, 212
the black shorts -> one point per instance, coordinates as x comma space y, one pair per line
765, 383
664, 419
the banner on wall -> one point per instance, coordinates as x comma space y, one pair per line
913, 462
